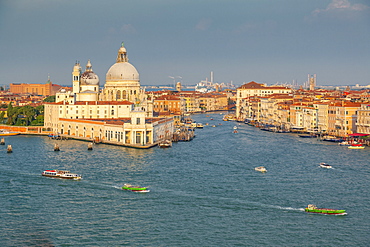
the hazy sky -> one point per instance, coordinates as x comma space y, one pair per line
265, 41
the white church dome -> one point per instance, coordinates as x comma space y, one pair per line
122, 70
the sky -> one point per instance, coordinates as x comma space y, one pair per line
267, 41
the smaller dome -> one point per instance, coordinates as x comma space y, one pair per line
89, 78
122, 49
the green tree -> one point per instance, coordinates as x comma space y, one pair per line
50, 99
2, 114
29, 114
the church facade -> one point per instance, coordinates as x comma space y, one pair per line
119, 113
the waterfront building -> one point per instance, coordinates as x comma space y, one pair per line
363, 121
296, 115
171, 104
342, 118
269, 108
255, 89
213, 102
309, 119
322, 116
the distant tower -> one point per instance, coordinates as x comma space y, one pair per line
312, 81
178, 86
211, 77
76, 77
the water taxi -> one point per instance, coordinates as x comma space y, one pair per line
313, 209
324, 165
132, 188
61, 174
261, 169
8, 133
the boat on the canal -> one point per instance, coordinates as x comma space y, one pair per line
311, 208
61, 174
132, 188
199, 126
261, 169
165, 144
324, 165
8, 133
356, 146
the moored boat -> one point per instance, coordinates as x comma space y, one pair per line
324, 165
261, 169
61, 174
132, 188
311, 208
8, 133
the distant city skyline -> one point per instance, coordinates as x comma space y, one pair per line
240, 41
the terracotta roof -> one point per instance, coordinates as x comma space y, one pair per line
251, 84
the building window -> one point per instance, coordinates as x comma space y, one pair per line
137, 120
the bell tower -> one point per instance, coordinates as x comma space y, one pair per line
76, 77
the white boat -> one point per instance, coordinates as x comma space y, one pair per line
61, 174
8, 133
260, 169
235, 127
165, 144
344, 143
324, 165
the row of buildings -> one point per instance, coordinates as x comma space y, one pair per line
337, 113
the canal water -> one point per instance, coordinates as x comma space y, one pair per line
203, 193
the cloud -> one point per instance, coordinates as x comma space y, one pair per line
255, 26
340, 5
128, 28
203, 24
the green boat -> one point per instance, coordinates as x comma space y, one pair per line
132, 188
313, 209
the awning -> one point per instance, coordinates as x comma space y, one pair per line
358, 134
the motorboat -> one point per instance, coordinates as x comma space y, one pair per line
344, 143
235, 127
199, 126
356, 146
311, 208
8, 133
307, 136
261, 169
61, 174
165, 144
324, 165
132, 188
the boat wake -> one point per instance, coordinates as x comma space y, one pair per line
290, 208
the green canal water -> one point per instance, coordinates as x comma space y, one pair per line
203, 193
